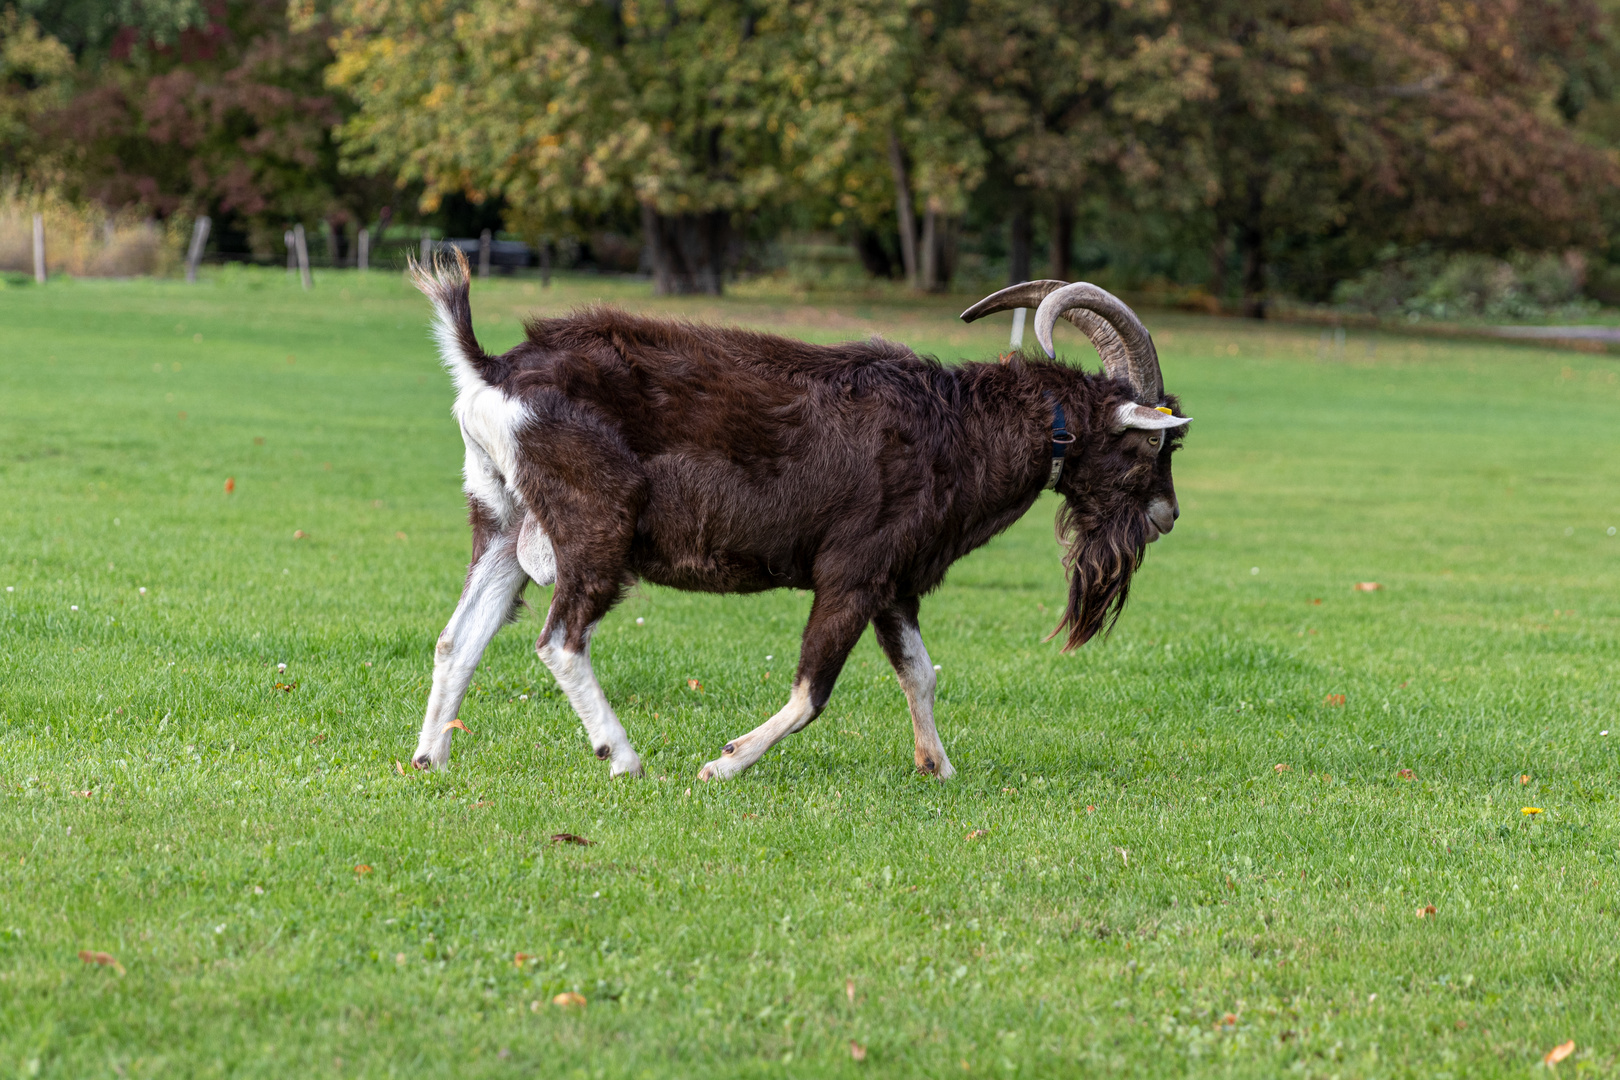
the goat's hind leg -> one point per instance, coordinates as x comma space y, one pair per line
488, 599
897, 633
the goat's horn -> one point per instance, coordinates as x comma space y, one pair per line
1027, 294
1033, 294
1129, 356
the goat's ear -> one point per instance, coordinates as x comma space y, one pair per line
1131, 415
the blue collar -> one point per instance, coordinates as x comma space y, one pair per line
1062, 439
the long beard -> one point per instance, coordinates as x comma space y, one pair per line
1102, 555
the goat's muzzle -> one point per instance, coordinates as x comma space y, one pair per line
1161, 514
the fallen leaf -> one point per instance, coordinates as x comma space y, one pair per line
483, 802
1368, 586
693, 684
1559, 1052
1091, 809
362, 869
1524, 779
399, 766
300, 534
82, 794
1333, 700
857, 1051
568, 998
316, 740
1529, 811
570, 838
849, 990
1229, 1020
230, 484
1425, 911
520, 959
400, 536
101, 959
1279, 767
1405, 774
456, 723
1317, 600
977, 834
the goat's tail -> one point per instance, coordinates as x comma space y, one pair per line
447, 283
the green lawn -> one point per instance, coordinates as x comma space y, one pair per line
1192, 858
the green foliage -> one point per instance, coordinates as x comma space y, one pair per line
1471, 287
1152, 897
85, 25
34, 73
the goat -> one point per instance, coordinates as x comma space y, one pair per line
608, 448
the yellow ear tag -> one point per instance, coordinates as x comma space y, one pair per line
1164, 410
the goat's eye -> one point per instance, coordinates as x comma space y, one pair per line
1153, 440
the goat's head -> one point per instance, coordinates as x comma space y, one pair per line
1118, 494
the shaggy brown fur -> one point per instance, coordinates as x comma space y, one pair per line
724, 460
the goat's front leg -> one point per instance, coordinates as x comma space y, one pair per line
897, 632
494, 583
836, 623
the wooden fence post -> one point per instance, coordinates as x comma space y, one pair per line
483, 253
362, 250
39, 248
302, 246
292, 252
545, 262
199, 240
427, 249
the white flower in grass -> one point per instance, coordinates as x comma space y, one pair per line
640, 621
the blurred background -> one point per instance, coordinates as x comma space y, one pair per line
1419, 159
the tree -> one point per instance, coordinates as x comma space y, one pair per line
1340, 128
35, 70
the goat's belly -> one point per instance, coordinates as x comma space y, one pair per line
716, 572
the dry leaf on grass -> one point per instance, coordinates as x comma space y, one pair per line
300, 534
1280, 767
1559, 1052
1426, 911
1333, 700
82, 794
230, 484
857, 1051
362, 869
1367, 586
520, 959
568, 999
1524, 779
399, 766
849, 990
101, 959
569, 838
977, 834
1405, 774
456, 723
693, 684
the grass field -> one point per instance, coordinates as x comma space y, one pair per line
1197, 858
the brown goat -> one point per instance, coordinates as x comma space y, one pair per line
608, 448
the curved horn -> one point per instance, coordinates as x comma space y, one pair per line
1028, 294
1033, 294
1134, 358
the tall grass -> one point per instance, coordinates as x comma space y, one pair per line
85, 240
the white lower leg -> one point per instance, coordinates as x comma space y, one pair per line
741, 753
573, 673
915, 670
486, 600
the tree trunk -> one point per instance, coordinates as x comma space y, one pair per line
930, 250
1018, 245
1252, 242
1062, 239
1217, 263
688, 251
902, 206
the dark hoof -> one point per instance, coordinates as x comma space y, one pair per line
928, 765
602, 753
422, 762
729, 749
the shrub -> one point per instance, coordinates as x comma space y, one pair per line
1471, 286
86, 241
